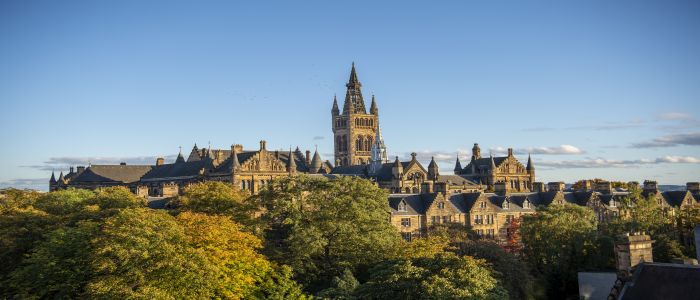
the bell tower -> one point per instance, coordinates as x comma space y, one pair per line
354, 129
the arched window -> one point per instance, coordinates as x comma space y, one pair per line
345, 145
367, 144
358, 144
402, 206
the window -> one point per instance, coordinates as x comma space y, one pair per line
482, 204
407, 236
435, 219
526, 204
406, 222
478, 219
441, 205
402, 206
509, 218
506, 205
446, 219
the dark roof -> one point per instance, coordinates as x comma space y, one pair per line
455, 179
357, 170
414, 204
483, 163
663, 281
674, 198
185, 169
112, 173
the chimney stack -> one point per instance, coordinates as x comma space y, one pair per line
538, 187
631, 250
426, 187
693, 187
650, 186
604, 187
308, 157
160, 161
81, 169
556, 186
501, 188
510, 151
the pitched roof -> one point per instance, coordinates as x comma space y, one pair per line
484, 163
113, 173
455, 180
186, 169
414, 204
662, 281
674, 198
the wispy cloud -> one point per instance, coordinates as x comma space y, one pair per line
60, 163
688, 139
319, 138
24, 183
674, 116
613, 163
557, 150
606, 126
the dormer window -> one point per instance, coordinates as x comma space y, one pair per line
526, 204
506, 205
441, 205
482, 204
402, 206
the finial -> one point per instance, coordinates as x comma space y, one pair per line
180, 149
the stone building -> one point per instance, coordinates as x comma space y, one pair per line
491, 170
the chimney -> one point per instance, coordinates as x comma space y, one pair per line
81, 169
501, 188
426, 187
160, 161
308, 157
632, 185
263, 145
693, 187
510, 152
586, 186
632, 249
556, 186
650, 186
71, 170
538, 187
238, 147
122, 164
604, 187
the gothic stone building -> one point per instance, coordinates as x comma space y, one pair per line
359, 150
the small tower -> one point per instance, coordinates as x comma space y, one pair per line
492, 174
397, 174
379, 155
52, 182
373, 107
316, 163
530, 168
476, 152
433, 170
291, 165
335, 111
194, 155
458, 166
180, 158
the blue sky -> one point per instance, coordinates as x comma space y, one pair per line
607, 89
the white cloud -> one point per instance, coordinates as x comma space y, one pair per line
558, 150
674, 116
688, 139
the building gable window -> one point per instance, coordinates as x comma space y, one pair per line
406, 222
482, 204
506, 205
441, 205
402, 206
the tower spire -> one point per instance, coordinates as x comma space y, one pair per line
373, 107
291, 165
530, 165
458, 165
335, 111
354, 104
53, 178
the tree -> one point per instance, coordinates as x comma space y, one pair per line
513, 240
322, 227
559, 241
214, 198
444, 276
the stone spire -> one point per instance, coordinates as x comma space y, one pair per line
373, 107
180, 158
53, 178
530, 165
433, 169
292, 165
61, 180
378, 148
194, 155
235, 164
316, 162
476, 151
493, 164
458, 166
353, 96
335, 111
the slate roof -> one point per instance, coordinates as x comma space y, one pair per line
414, 204
483, 163
674, 198
112, 173
662, 281
455, 180
183, 169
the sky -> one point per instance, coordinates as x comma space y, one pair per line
591, 89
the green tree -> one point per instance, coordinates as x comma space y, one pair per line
559, 241
214, 198
322, 227
444, 276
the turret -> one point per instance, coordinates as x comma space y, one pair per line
291, 165
397, 169
354, 104
458, 166
180, 158
530, 168
235, 164
335, 111
53, 178
476, 152
433, 169
316, 163
373, 107
194, 155
61, 180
